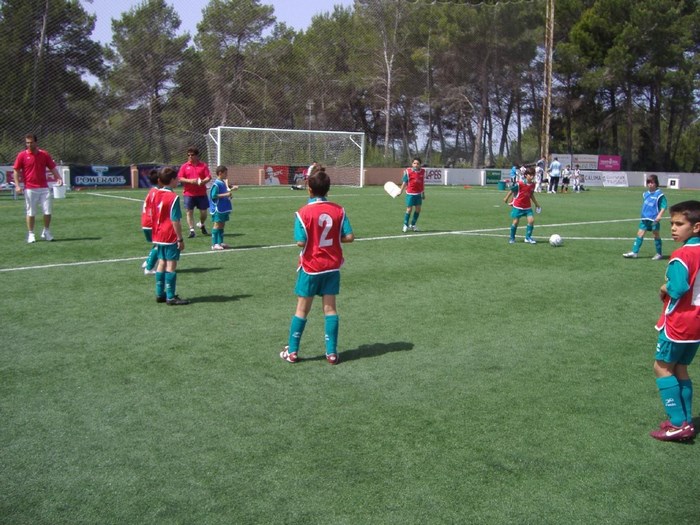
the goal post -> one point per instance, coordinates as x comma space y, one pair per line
252, 150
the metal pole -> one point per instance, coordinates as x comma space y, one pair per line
548, 55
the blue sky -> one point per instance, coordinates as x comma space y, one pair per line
295, 13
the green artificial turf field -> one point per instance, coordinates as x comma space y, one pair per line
480, 382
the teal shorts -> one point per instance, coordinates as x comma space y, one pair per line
168, 252
650, 226
317, 284
414, 200
516, 213
670, 352
147, 232
220, 217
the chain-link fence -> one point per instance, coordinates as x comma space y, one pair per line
459, 83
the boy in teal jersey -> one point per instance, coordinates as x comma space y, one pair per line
320, 227
147, 225
522, 193
679, 325
414, 182
220, 207
167, 236
654, 205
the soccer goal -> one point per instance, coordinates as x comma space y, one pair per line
287, 153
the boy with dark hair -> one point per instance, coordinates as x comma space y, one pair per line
522, 193
167, 236
220, 207
414, 182
319, 229
653, 207
147, 224
679, 325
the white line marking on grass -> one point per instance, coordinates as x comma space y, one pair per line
489, 232
114, 197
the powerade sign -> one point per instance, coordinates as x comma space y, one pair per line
103, 176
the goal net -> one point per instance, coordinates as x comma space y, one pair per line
281, 156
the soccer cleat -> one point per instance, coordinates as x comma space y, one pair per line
530, 240
191, 234
217, 247
669, 432
30, 237
161, 299
511, 240
146, 271
629, 255
290, 358
414, 228
333, 359
176, 301
667, 424
144, 264
225, 246
46, 235
657, 257
405, 228
204, 230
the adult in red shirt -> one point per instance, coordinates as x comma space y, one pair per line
30, 168
194, 176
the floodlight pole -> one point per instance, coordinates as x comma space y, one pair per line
548, 55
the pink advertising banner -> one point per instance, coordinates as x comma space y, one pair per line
609, 162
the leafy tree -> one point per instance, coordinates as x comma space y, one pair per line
145, 53
227, 28
44, 53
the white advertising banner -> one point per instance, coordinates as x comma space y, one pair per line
435, 176
615, 179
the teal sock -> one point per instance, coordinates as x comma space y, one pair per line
415, 218
670, 393
406, 218
686, 386
152, 259
160, 284
637, 244
218, 236
170, 283
332, 323
296, 329
513, 229
214, 237
528, 230
657, 245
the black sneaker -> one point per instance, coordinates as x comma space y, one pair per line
191, 234
160, 299
176, 301
204, 230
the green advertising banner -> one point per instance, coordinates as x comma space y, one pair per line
493, 176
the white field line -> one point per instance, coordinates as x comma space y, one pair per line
490, 232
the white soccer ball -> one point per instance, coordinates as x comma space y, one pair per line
556, 240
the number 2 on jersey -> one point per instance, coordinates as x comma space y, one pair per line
325, 221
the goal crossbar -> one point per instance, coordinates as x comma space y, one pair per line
342, 152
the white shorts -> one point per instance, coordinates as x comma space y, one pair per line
36, 198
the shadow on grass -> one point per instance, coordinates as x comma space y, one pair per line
365, 351
199, 270
219, 298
